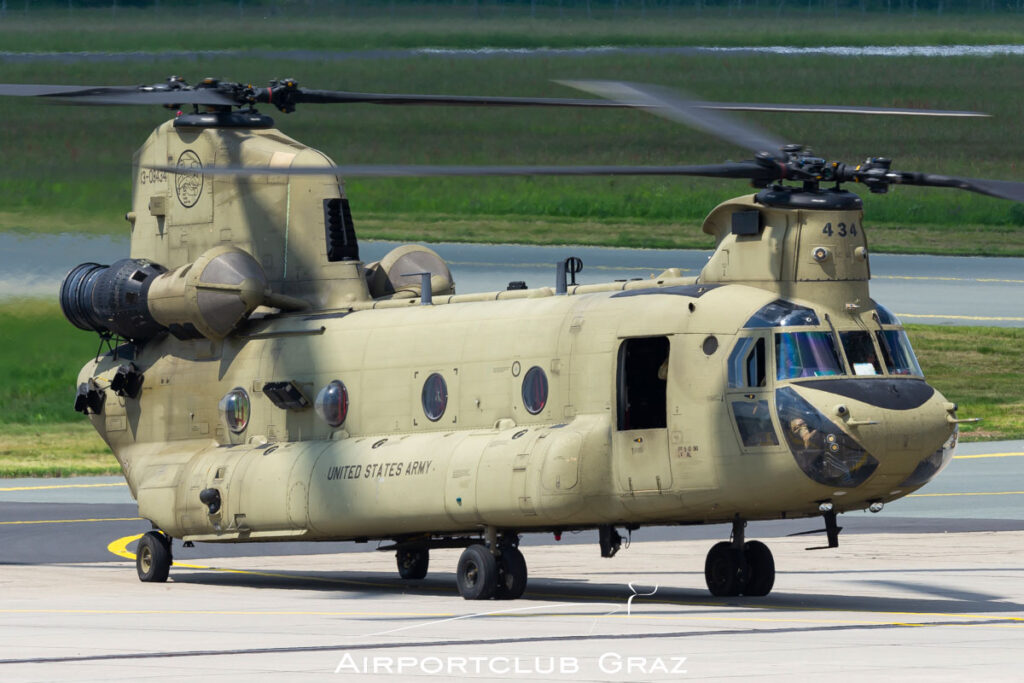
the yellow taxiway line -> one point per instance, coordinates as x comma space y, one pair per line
62, 486
988, 455
982, 318
74, 521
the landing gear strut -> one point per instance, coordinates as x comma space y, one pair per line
153, 557
483, 574
739, 568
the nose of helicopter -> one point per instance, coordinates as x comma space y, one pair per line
883, 437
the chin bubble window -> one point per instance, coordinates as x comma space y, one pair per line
234, 410
860, 351
806, 354
435, 397
332, 403
824, 452
535, 390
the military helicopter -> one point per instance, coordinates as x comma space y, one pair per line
259, 382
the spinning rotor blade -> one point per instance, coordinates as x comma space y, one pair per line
739, 169
113, 95
1003, 189
670, 104
285, 94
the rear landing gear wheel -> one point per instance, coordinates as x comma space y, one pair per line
511, 574
477, 573
725, 570
761, 566
412, 563
153, 557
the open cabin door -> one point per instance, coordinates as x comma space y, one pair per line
640, 439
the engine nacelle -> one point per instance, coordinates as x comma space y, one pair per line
137, 299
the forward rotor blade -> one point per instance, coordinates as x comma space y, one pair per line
1003, 189
111, 95
670, 104
307, 96
740, 169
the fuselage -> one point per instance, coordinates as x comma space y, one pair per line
764, 388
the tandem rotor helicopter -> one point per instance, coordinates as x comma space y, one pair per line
261, 383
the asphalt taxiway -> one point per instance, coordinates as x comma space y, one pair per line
932, 588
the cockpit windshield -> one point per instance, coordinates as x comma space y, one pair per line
899, 356
806, 354
860, 352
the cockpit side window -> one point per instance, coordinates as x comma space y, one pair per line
747, 363
898, 355
806, 354
860, 351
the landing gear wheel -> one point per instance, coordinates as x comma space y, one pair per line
477, 573
412, 563
761, 566
153, 557
511, 574
725, 570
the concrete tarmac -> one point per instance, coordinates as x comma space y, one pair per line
930, 589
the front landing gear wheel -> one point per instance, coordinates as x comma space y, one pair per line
153, 557
725, 570
412, 564
511, 574
477, 573
762, 568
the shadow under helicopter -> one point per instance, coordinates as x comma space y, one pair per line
931, 598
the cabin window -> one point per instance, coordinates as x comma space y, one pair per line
234, 410
642, 381
747, 363
806, 354
535, 390
860, 351
434, 397
332, 403
898, 355
782, 313
755, 423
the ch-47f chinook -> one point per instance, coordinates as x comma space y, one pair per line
262, 383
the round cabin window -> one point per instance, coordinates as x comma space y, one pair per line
234, 410
332, 403
535, 390
435, 397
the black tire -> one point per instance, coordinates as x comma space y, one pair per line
477, 573
761, 566
511, 574
412, 563
153, 557
725, 570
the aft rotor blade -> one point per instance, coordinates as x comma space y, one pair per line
672, 105
739, 169
839, 109
1003, 189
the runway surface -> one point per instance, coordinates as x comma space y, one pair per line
924, 289
930, 589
